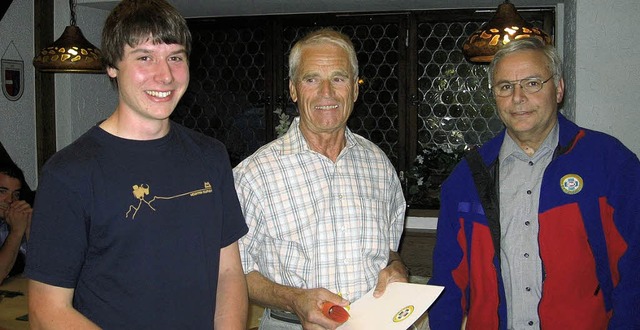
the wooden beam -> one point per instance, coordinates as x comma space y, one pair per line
45, 89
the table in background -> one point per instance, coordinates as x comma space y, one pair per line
11, 308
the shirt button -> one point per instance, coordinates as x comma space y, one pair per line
526, 223
527, 289
526, 255
530, 322
528, 192
530, 163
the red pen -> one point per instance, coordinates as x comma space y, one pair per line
335, 312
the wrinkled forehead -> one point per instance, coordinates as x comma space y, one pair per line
522, 64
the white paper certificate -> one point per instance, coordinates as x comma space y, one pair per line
398, 308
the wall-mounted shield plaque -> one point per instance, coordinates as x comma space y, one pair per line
12, 79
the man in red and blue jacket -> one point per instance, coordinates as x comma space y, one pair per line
586, 227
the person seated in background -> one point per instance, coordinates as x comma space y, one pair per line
15, 221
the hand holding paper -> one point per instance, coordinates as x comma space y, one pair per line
397, 309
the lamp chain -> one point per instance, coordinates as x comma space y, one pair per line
72, 7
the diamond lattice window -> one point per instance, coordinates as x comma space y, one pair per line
420, 101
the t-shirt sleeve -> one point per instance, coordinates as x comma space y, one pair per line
58, 237
234, 225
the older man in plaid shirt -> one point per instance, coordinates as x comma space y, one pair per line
324, 206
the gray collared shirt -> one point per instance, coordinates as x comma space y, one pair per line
520, 180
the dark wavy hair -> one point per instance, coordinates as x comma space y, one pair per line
11, 170
133, 22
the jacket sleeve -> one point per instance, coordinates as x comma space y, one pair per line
624, 199
448, 259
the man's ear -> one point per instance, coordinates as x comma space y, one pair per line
292, 92
112, 72
356, 89
560, 91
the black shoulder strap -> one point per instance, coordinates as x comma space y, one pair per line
487, 190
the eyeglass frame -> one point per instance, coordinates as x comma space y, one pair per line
519, 83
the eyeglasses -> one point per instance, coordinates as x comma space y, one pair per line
528, 85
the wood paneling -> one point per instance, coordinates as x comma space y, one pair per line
45, 89
416, 250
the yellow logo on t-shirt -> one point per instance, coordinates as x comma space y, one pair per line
141, 191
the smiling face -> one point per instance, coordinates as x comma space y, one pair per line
528, 117
324, 89
151, 80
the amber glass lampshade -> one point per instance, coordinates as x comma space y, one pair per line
505, 25
72, 52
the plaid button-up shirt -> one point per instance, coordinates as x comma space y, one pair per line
315, 223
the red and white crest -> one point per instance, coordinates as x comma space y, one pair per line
12, 79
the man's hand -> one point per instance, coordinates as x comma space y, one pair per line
395, 271
3, 209
18, 217
308, 307
305, 303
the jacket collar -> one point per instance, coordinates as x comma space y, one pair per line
570, 133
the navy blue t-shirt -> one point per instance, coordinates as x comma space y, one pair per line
136, 227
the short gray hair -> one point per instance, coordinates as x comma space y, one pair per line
554, 63
322, 36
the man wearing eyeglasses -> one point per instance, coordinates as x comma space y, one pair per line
540, 227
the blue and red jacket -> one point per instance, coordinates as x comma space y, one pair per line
589, 239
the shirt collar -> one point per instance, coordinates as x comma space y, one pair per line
293, 141
510, 147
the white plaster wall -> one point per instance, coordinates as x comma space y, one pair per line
608, 68
569, 58
17, 118
82, 100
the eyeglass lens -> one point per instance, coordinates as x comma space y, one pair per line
528, 85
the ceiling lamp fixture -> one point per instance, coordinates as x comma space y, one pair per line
71, 53
505, 25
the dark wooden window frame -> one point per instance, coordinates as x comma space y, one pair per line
407, 67
275, 80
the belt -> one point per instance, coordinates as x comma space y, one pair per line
284, 316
